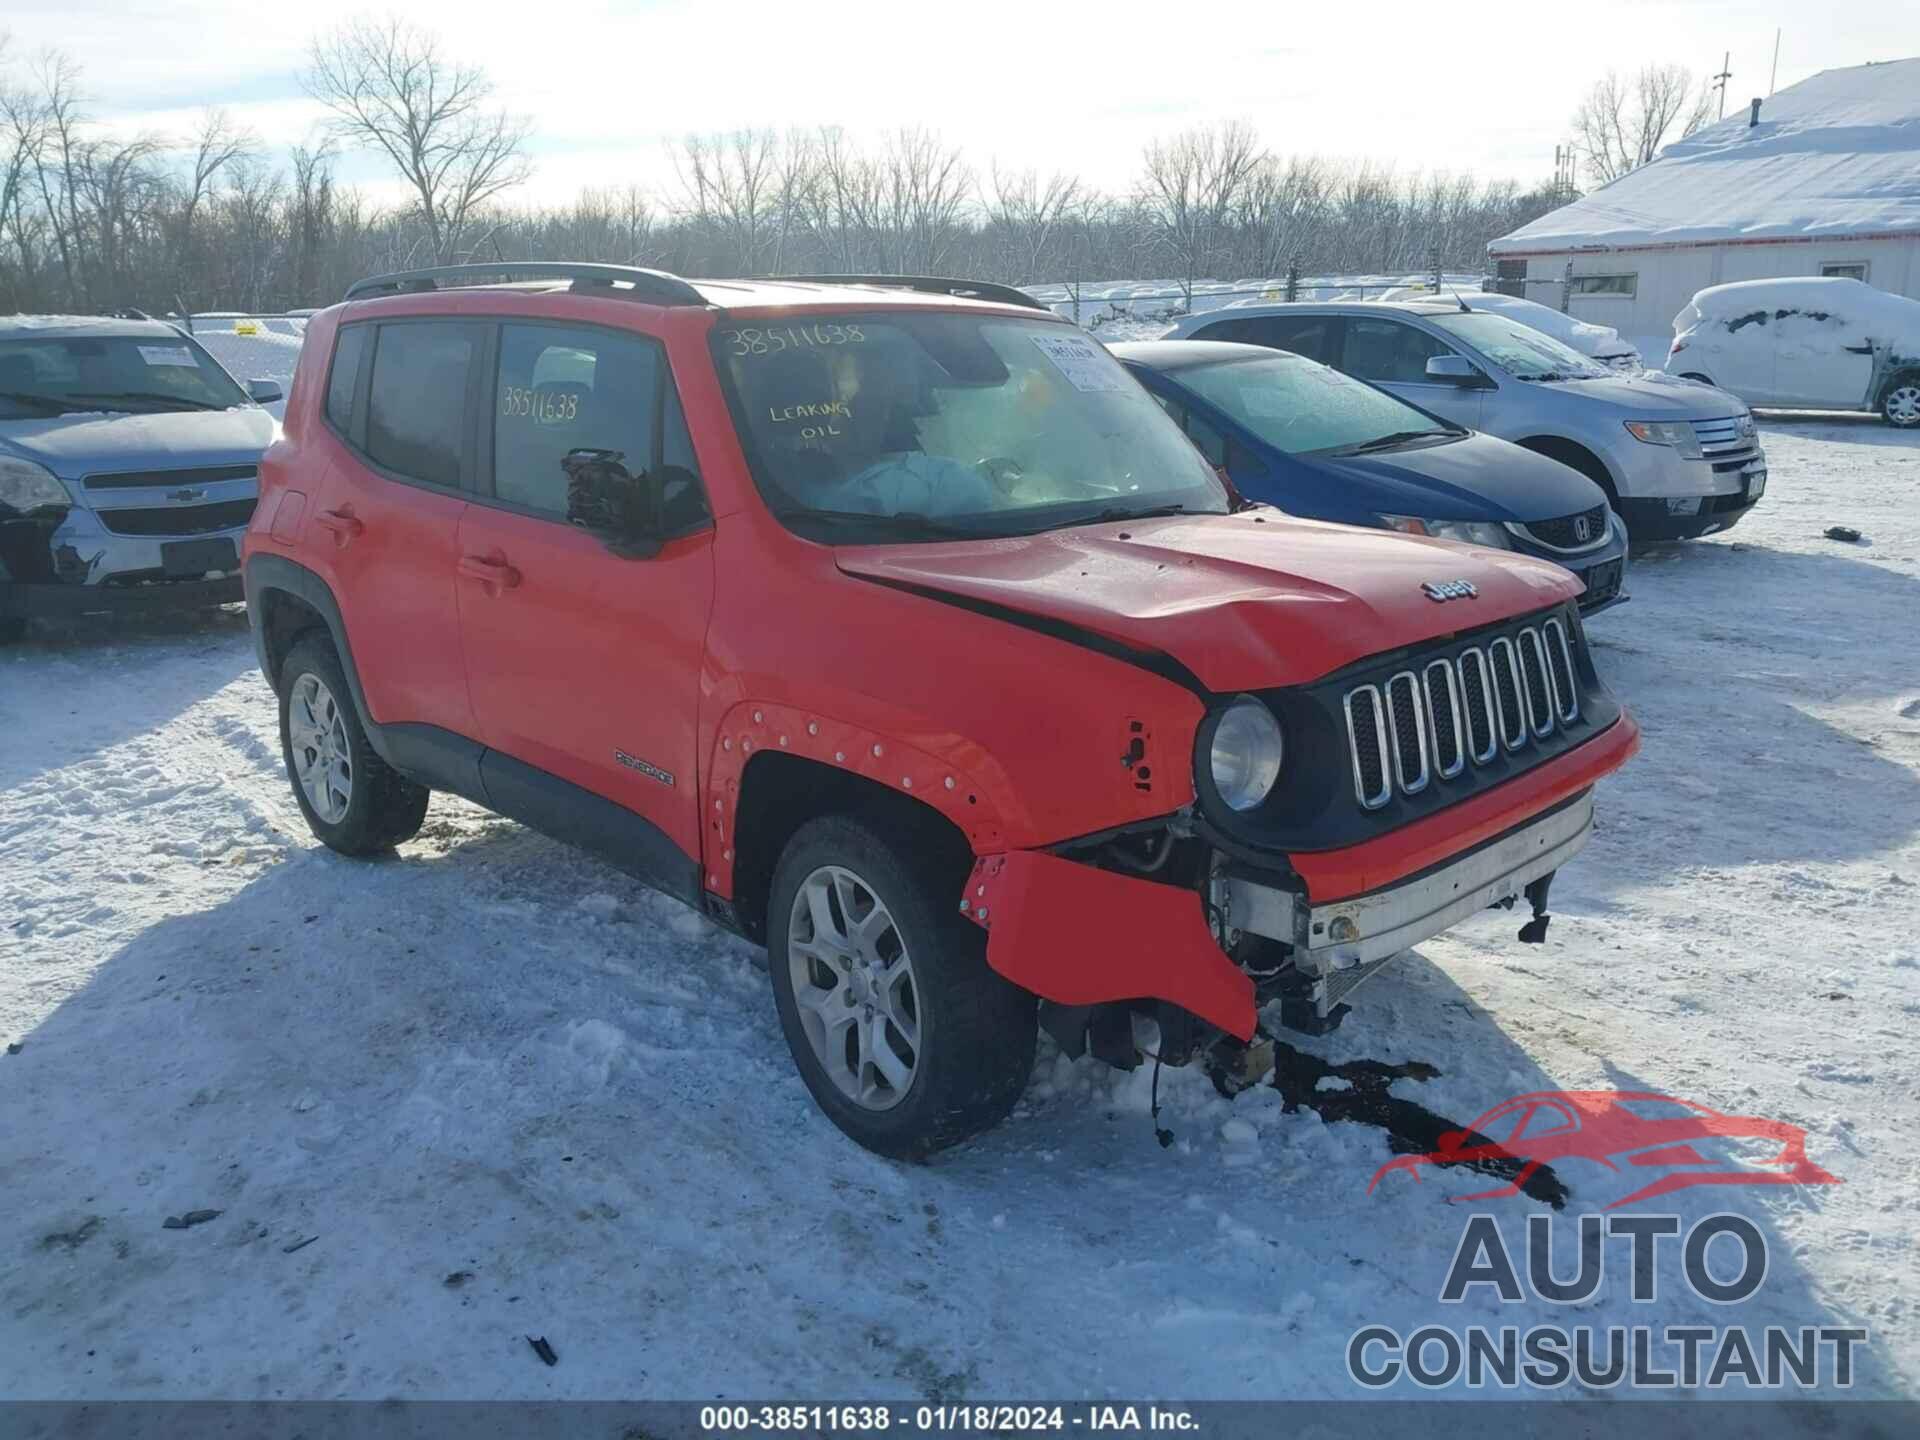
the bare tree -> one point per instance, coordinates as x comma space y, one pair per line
1623, 124
1030, 219
390, 87
1191, 185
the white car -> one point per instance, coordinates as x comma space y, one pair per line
1602, 343
1804, 344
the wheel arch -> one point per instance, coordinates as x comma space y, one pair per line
777, 792
284, 601
1906, 374
1576, 456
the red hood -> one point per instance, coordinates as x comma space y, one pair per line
1243, 601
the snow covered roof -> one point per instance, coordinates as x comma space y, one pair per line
1835, 155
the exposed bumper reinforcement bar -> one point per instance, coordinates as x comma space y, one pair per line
1342, 942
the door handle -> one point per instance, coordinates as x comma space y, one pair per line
344, 525
489, 571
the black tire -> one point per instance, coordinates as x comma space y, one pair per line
12, 628
976, 1030
1898, 403
383, 807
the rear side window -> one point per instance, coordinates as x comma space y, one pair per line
417, 400
343, 381
1307, 335
565, 389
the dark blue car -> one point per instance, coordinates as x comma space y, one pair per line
1322, 445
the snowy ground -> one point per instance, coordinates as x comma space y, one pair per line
506, 1093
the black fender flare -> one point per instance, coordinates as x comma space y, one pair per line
266, 573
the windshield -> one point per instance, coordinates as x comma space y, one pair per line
1524, 353
918, 426
47, 375
1297, 406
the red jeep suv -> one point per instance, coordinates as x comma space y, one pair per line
891, 624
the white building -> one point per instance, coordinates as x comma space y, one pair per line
1822, 178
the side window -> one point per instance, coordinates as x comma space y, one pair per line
1302, 334
1387, 352
417, 400
561, 389
1210, 441
343, 381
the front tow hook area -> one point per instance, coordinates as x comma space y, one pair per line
1534, 932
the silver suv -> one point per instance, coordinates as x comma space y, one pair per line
1677, 459
128, 468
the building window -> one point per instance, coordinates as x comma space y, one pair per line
1617, 287
1846, 270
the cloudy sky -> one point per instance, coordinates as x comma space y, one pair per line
1050, 84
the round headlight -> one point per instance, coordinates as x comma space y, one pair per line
1246, 753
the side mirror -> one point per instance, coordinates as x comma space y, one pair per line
265, 392
1455, 370
625, 511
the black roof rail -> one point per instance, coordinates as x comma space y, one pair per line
928, 285
655, 287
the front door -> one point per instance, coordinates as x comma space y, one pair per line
1393, 355
583, 664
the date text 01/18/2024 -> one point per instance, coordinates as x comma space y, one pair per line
941, 1419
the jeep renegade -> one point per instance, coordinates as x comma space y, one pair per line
891, 624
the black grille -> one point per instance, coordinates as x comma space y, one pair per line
1506, 688
1440, 719
1473, 698
1403, 698
1565, 533
179, 519
1369, 764
146, 479
1533, 671
1560, 662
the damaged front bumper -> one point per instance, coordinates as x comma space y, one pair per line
1080, 935
1338, 944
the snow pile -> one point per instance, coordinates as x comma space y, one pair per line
1599, 342
1817, 330
1838, 154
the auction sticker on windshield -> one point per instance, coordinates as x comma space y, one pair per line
1084, 362
167, 355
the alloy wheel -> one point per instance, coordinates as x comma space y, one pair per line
1903, 405
322, 754
853, 986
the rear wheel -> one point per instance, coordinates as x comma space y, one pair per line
1901, 404
902, 1033
353, 800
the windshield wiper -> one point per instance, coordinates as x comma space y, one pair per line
170, 400
1120, 512
907, 524
1390, 441
47, 402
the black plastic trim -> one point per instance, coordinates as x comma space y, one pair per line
652, 287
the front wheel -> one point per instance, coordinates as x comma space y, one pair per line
902, 1033
1900, 406
353, 800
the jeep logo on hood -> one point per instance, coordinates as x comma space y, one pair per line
1444, 590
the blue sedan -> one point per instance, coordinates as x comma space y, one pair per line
1322, 445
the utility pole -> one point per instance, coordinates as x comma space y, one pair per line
1774, 77
1564, 161
1720, 82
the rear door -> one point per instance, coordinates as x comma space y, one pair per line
1744, 361
398, 397
585, 665
1393, 355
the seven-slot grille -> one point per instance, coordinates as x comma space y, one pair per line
1460, 709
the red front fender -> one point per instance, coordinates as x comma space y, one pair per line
1082, 936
